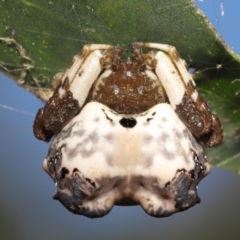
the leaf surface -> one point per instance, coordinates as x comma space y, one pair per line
39, 38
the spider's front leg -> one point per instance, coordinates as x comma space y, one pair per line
182, 93
71, 93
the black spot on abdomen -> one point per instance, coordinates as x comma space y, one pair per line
63, 173
128, 122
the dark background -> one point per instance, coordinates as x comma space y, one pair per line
27, 210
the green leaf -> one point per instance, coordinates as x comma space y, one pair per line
39, 38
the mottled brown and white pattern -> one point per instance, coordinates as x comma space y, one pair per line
128, 86
102, 158
126, 131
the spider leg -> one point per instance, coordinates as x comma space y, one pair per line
71, 93
182, 93
86, 68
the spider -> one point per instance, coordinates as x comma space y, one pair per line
126, 132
